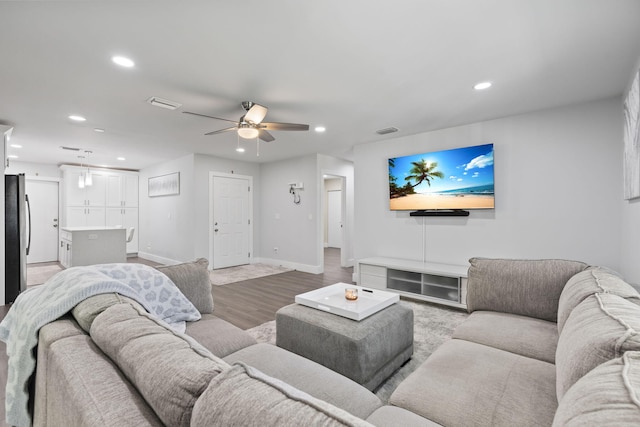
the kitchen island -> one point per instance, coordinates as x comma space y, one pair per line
92, 245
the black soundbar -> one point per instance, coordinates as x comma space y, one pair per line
440, 212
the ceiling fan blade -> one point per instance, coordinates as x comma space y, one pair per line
211, 117
256, 114
265, 136
283, 126
222, 130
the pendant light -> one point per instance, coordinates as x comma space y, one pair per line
81, 177
88, 179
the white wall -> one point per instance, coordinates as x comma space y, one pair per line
630, 245
167, 223
558, 184
293, 229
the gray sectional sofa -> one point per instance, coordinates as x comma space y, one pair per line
547, 342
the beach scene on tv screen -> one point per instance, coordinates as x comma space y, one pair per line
461, 178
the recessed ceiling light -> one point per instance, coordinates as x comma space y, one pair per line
320, 129
16, 145
122, 61
99, 130
482, 85
12, 156
76, 118
240, 150
122, 159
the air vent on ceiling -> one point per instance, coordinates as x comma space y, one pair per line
386, 130
69, 148
163, 103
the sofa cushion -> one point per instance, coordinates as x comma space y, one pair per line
192, 278
602, 327
219, 336
526, 287
392, 416
608, 395
169, 369
244, 396
87, 310
521, 335
592, 280
467, 384
85, 388
310, 377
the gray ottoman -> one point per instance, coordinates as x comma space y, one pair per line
368, 351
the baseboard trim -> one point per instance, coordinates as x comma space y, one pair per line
158, 259
306, 268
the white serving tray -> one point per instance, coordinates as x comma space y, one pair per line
331, 299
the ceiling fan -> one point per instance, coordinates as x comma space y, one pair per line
251, 125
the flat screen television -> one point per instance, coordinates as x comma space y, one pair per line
456, 179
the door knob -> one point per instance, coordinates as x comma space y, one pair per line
215, 229
55, 225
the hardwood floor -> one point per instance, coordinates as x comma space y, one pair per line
245, 304
252, 302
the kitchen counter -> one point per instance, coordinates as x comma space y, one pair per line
92, 245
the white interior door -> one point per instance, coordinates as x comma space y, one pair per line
230, 221
334, 219
43, 198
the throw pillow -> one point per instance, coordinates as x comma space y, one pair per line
192, 278
600, 328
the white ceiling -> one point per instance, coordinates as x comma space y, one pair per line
354, 66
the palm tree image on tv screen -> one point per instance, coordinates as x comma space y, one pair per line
461, 178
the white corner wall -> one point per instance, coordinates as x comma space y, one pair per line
558, 183
175, 228
292, 228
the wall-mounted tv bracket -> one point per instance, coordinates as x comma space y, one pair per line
440, 212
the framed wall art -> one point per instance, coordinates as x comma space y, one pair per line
164, 185
632, 140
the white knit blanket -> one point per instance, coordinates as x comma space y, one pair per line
43, 304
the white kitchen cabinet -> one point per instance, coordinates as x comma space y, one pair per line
111, 200
122, 190
93, 195
91, 245
81, 216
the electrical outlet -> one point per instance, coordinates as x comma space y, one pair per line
93, 237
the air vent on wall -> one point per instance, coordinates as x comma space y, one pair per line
69, 148
386, 130
163, 103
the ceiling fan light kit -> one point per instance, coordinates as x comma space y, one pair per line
251, 126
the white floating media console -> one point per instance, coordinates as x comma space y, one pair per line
439, 283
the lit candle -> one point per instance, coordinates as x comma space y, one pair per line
351, 294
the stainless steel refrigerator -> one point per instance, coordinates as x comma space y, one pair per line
17, 235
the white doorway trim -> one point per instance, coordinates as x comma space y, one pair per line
328, 174
210, 215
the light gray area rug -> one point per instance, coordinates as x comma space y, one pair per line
38, 274
224, 276
433, 325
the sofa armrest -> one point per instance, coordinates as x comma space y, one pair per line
524, 287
